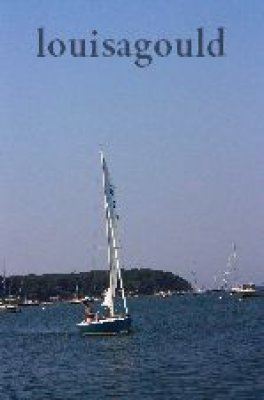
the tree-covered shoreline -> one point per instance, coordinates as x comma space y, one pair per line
64, 286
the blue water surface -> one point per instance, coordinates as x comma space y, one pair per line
182, 347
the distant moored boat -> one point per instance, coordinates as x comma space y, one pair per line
245, 290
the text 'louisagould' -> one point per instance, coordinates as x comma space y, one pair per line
142, 51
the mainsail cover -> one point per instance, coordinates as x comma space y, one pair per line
107, 298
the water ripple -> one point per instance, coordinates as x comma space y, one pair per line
186, 347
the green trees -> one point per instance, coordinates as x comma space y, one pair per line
92, 283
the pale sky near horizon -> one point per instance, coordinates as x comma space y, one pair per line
183, 139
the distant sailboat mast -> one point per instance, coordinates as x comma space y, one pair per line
4, 277
231, 266
233, 261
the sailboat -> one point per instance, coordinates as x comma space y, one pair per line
224, 277
114, 321
8, 303
231, 269
76, 299
244, 289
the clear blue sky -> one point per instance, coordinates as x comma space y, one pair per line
184, 139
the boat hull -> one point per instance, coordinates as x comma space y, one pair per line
109, 326
10, 308
246, 294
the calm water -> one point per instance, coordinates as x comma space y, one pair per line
185, 347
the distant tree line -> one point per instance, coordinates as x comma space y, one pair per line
92, 283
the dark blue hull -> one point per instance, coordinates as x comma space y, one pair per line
108, 326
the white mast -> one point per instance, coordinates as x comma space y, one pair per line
111, 234
231, 267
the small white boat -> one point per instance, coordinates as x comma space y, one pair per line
245, 290
76, 299
12, 308
29, 303
114, 322
9, 307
